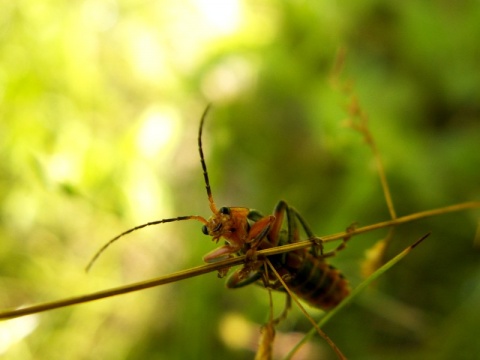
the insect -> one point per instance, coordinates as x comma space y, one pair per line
246, 231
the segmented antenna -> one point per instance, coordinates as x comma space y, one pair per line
213, 207
104, 247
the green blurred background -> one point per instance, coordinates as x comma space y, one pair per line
99, 109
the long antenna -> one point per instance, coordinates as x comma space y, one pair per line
110, 242
213, 207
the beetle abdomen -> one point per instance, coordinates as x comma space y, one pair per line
318, 283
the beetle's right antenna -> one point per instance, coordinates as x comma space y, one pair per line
213, 207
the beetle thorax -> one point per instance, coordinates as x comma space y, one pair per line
228, 225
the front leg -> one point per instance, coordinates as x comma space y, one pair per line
259, 230
222, 253
243, 276
249, 272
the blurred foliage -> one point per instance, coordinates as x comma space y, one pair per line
100, 102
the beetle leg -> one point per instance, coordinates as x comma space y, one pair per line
276, 228
222, 253
260, 229
343, 244
243, 277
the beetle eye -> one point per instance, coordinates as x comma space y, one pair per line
225, 210
205, 229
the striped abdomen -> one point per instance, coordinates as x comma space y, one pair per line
315, 281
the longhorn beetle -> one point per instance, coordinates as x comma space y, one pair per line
245, 231
301, 272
